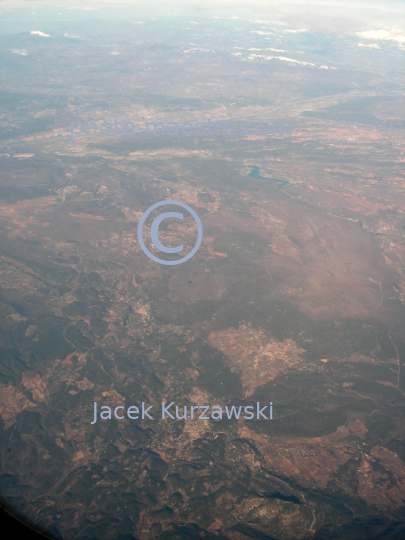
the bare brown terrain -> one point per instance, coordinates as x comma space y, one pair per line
296, 295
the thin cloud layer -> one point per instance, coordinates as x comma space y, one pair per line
38, 33
384, 35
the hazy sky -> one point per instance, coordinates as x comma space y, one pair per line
334, 16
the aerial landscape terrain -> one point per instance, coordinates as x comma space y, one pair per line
296, 295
